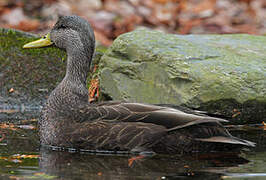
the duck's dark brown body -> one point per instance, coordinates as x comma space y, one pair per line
69, 121
134, 127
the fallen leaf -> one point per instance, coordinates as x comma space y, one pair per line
39, 174
2, 136
134, 159
8, 111
14, 177
236, 114
27, 25
23, 156
11, 90
204, 5
102, 38
28, 120
7, 126
94, 90
186, 26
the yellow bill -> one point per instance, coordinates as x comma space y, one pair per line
44, 41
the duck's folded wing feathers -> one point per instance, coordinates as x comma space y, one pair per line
200, 128
137, 112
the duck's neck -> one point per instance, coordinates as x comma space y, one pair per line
78, 65
72, 91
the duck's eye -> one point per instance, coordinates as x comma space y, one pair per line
62, 26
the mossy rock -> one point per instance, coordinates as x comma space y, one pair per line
27, 76
31, 73
222, 74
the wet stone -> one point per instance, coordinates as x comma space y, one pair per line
221, 74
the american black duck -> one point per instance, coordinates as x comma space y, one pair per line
69, 121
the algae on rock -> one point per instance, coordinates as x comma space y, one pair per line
30, 73
223, 74
27, 76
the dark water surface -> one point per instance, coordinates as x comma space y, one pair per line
22, 158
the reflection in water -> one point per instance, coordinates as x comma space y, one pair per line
87, 166
15, 113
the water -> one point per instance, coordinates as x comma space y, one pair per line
22, 158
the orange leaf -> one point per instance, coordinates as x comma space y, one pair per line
7, 126
24, 156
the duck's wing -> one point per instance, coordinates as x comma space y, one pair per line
138, 112
201, 128
184, 109
193, 111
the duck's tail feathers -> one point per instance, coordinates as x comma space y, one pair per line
201, 120
230, 140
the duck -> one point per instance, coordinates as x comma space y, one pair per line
69, 120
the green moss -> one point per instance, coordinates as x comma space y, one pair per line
32, 73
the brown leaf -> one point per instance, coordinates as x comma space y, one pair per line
186, 26
2, 136
7, 126
8, 111
14, 177
27, 25
102, 38
204, 5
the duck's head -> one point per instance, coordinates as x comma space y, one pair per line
71, 33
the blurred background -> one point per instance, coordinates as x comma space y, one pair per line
111, 18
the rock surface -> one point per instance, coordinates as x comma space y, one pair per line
27, 76
28, 71
223, 74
